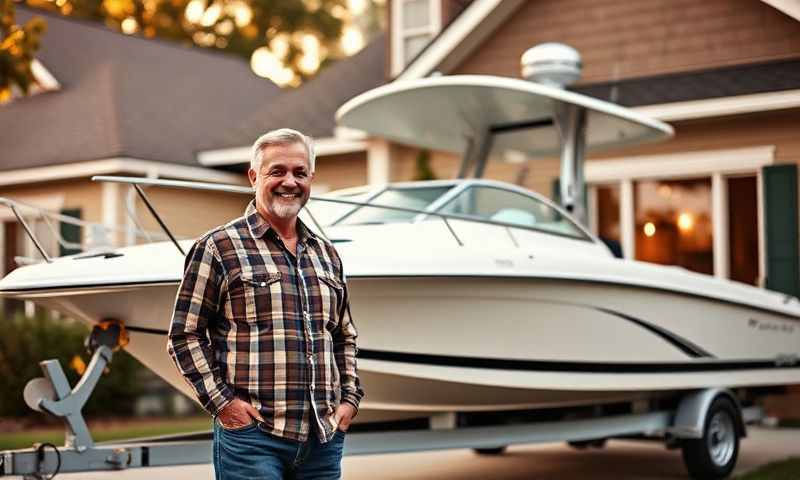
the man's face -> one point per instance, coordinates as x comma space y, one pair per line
283, 182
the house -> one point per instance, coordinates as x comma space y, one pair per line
118, 105
724, 73
719, 198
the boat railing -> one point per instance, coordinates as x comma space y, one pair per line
50, 219
446, 218
137, 184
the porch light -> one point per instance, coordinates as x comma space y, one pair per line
685, 221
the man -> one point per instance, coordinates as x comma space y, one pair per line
262, 330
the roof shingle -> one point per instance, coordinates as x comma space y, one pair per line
125, 96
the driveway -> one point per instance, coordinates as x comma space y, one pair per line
619, 460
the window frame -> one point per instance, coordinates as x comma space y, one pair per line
718, 165
400, 34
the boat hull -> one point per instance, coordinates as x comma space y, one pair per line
436, 344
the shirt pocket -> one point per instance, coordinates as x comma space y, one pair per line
255, 293
331, 295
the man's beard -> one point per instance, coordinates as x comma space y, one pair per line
285, 210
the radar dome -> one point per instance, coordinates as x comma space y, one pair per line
553, 64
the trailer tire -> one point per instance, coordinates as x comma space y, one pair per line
714, 455
491, 451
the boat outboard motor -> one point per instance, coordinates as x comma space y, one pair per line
558, 65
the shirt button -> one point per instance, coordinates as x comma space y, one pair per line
311, 387
263, 284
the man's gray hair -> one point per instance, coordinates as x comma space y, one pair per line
282, 136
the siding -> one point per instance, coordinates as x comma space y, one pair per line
621, 39
769, 128
340, 171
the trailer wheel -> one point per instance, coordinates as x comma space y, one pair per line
714, 455
490, 451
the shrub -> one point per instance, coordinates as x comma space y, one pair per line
24, 342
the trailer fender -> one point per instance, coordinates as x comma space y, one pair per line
690, 417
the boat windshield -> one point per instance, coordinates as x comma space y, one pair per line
417, 198
510, 207
327, 213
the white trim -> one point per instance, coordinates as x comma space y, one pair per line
789, 7
718, 107
224, 156
627, 219
464, 30
109, 209
378, 162
400, 34
338, 146
762, 234
322, 146
676, 165
716, 164
719, 224
116, 165
591, 204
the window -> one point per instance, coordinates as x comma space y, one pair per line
608, 221
414, 24
743, 228
505, 206
415, 198
673, 223
703, 213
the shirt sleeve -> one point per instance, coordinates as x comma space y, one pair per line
345, 349
196, 308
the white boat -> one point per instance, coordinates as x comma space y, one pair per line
476, 295
532, 313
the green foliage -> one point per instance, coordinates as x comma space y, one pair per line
18, 44
236, 26
27, 341
423, 169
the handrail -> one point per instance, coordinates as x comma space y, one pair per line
47, 216
249, 191
13, 207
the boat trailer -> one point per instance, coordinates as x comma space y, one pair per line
690, 424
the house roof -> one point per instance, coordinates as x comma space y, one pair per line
730, 81
124, 96
312, 107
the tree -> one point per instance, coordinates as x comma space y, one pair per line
300, 34
18, 44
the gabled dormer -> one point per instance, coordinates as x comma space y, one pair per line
413, 24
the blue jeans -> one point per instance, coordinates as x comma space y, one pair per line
248, 453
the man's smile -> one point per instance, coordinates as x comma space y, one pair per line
288, 195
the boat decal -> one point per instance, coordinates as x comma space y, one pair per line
700, 366
606, 281
553, 365
681, 343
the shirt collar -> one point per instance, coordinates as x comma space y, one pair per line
259, 226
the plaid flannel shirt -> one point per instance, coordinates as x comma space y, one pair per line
256, 322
